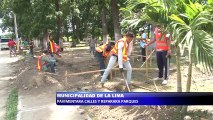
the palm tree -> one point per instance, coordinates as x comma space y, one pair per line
155, 12
189, 27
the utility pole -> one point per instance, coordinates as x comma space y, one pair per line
16, 31
0, 42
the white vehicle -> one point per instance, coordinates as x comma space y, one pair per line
3, 43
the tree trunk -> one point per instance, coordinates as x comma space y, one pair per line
74, 32
179, 83
45, 39
78, 32
115, 15
58, 21
189, 80
179, 80
104, 24
16, 31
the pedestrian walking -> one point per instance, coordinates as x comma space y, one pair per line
12, 46
142, 43
31, 44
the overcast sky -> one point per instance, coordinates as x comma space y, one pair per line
1, 33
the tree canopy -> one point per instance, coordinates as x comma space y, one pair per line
74, 18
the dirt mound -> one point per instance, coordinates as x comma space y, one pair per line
29, 78
133, 113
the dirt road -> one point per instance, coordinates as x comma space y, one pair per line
5, 75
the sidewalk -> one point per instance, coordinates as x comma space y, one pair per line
5, 75
40, 105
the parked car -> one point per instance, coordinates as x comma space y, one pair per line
3, 43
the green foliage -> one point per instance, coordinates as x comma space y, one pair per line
189, 22
78, 19
11, 105
190, 29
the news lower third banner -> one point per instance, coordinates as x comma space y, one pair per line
133, 98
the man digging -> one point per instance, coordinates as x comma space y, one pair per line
120, 53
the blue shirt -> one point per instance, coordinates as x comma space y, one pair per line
143, 36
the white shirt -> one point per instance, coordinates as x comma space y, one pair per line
120, 54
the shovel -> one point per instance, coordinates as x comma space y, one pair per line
127, 85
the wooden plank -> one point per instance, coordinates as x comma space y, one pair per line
95, 71
147, 58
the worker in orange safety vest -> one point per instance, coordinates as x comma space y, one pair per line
163, 51
51, 45
102, 52
120, 53
45, 62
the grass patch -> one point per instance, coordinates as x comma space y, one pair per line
11, 105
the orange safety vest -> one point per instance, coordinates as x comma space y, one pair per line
52, 47
101, 49
161, 43
39, 63
124, 51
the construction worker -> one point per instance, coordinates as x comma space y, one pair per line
57, 49
162, 52
45, 62
102, 52
120, 52
51, 45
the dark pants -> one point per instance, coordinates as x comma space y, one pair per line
162, 63
143, 53
51, 67
31, 52
100, 59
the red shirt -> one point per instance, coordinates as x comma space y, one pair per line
11, 43
58, 48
